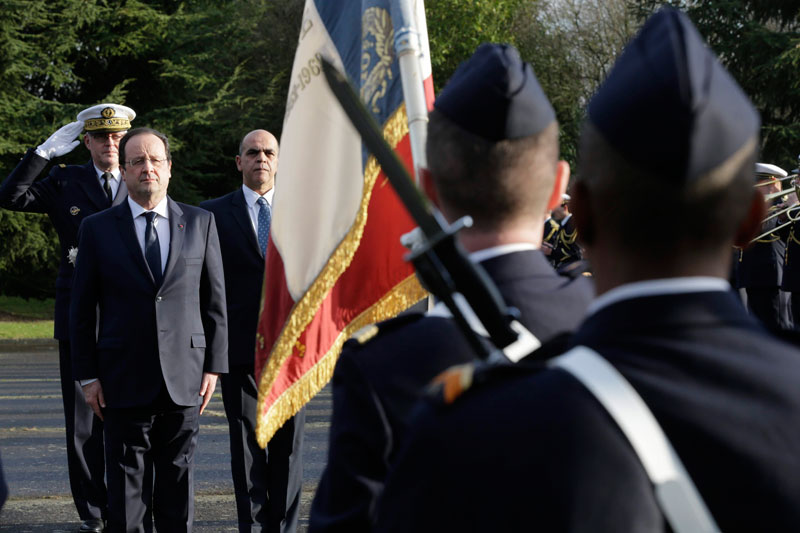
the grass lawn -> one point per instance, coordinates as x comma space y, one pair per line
26, 309
39, 329
26, 319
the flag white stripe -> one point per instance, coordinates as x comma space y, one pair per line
320, 180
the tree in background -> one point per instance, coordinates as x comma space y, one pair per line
206, 72
202, 72
759, 43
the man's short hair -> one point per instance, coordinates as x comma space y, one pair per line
139, 131
493, 182
654, 216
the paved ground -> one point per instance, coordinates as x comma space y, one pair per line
34, 453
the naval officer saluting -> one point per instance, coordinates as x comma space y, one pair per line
68, 194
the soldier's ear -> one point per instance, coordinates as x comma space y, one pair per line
426, 182
86, 140
751, 224
560, 185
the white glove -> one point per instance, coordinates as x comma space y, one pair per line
61, 142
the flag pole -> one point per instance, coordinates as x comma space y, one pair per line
408, 47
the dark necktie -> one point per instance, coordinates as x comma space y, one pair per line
152, 249
264, 219
107, 176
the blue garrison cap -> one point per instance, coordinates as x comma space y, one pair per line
495, 95
669, 106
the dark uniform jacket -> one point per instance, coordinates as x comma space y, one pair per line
791, 260
67, 195
550, 233
566, 249
761, 264
531, 449
376, 384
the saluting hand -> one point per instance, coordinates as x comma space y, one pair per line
207, 388
93, 392
62, 141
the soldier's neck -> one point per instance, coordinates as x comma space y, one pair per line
473, 240
612, 267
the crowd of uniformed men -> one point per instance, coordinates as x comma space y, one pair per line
654, 402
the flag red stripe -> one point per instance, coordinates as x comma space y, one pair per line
350, 297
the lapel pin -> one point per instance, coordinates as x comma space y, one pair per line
74, 210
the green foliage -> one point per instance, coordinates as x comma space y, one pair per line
28, 255
457, 27
759, 43
28, 308
207, 72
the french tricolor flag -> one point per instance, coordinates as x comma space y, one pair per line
334, 262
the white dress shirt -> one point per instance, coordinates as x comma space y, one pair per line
251, 198
114, 182
161, 224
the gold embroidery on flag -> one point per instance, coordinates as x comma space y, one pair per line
377, 42
401, 297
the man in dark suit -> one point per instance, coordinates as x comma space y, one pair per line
526, 448
68, 195
267, 482
148, 363
504, 172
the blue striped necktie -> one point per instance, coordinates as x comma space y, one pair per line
264, 219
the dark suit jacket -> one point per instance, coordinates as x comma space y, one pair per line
177, 331
244, 274
532, 449
376, 385
67, 195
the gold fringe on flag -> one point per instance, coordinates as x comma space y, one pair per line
399, 298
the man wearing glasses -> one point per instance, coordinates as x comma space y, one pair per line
149, 337
68, 194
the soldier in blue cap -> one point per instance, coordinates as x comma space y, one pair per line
674, 410
68, 194
492, 148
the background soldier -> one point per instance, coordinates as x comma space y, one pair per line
760, 268
566, 250
68, 195
791, 259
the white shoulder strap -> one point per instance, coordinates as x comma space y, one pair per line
675, 492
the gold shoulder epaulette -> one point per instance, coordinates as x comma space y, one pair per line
62, 165
367, 334
454, 381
